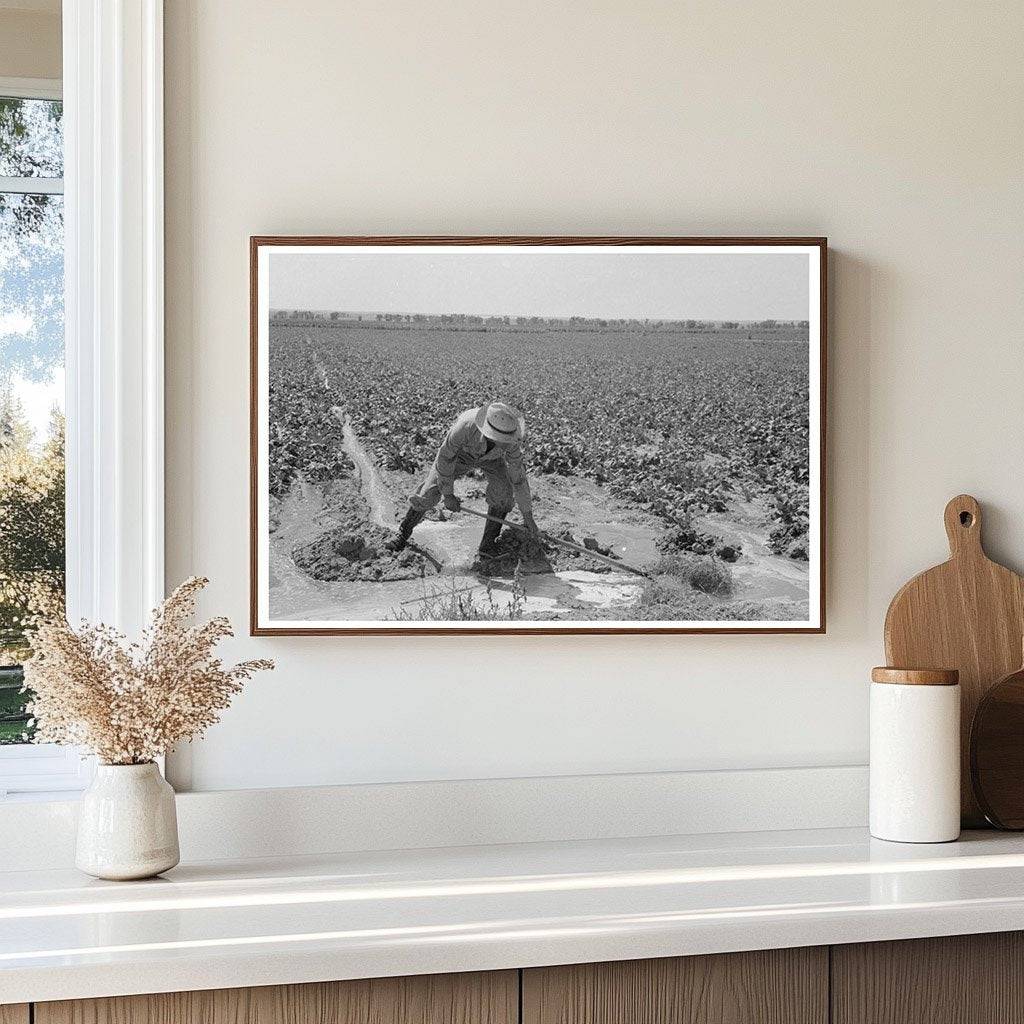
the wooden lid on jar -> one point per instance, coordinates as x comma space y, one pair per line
916, 676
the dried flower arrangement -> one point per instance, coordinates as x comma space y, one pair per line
129, 703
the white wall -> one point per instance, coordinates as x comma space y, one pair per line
895, 129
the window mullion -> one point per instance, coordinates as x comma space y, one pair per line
32, 186
114, 309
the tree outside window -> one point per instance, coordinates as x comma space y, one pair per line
31, 387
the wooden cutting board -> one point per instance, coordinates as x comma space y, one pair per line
967, 614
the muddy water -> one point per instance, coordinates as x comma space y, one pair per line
371, 486
549, 594
760, 574
294, 596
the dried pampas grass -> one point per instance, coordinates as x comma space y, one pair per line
129, 703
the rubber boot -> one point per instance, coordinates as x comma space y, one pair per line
489, 541
412, 519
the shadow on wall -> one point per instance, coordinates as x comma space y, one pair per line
854, 287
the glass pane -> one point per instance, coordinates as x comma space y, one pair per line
31, 138
31, 433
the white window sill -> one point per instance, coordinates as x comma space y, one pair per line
43, 771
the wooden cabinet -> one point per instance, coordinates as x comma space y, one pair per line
778, 986
963, 979
491, 998
971, 979
968, 979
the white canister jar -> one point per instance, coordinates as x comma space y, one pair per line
915, 755
127, 823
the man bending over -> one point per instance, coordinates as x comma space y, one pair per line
489, 439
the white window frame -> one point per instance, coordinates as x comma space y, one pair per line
32, 88
114, 324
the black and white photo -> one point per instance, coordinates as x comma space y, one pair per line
537, 435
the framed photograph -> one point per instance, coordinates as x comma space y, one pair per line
537, 435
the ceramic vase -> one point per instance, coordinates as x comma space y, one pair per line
127, 825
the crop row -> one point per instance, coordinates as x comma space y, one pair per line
305, 439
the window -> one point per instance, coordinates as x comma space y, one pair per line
32, 515
31, 384
95, 196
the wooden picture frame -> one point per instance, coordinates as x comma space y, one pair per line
309, 323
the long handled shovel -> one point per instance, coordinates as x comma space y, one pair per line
560, 543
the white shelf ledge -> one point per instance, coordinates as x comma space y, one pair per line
353, 915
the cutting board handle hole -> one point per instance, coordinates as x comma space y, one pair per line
962, 517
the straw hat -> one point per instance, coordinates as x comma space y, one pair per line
500, 422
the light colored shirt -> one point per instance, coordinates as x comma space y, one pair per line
466, 448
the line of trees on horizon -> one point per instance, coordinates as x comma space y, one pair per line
287, 317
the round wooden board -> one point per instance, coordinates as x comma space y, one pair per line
997, 753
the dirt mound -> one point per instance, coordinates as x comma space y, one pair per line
350, 555
515, 549
686, 538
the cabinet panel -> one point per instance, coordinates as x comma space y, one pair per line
962, 979
481, 998
779, 986
14, 1013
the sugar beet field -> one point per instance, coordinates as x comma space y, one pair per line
681, 449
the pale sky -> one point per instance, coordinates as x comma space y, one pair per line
667, 284
38, 399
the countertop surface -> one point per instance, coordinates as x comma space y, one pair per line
263, 922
